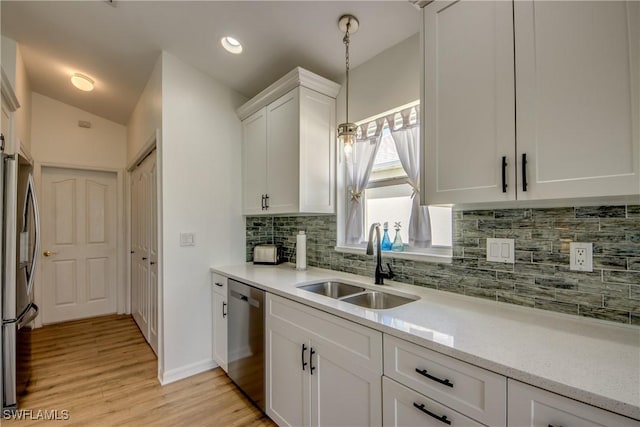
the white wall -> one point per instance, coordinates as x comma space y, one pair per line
23, 115
56, 137
147, 115
386, 81
8, 59
201, 193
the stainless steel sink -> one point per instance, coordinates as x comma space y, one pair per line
333, 289
378, 300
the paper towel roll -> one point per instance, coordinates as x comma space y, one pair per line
301, 251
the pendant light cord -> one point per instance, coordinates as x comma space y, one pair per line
346, 58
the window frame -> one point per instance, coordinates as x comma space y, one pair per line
438, 254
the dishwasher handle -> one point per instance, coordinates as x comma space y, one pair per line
251, 301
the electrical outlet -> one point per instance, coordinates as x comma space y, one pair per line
581, 256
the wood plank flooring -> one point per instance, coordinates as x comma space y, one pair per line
103, 373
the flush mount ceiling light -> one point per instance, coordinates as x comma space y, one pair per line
348, 24
82, 82
231, 44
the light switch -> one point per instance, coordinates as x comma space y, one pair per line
501, 250
187, 239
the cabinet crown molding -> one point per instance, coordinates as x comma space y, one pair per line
296, 77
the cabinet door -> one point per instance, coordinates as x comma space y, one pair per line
220, 354
283, 142
317, 152
287, 366
254, 168
577, 97
531, 406
342, 391
469, 102
403, 407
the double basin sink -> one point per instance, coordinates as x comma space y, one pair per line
357, 295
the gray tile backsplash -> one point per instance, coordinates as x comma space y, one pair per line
540, 278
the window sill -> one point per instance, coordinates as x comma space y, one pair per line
440, 255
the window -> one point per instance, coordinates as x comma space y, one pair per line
386, 194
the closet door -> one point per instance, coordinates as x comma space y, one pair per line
144, 247
139, 256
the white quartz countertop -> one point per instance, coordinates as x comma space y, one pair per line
590, 360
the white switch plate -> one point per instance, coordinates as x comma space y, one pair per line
581, 256
501, 250
187, 239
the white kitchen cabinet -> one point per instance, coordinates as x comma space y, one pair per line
475, 392
468, 120
531, 406
219, 304
403, 407
289, 147
571, 129
321, 370
577, 94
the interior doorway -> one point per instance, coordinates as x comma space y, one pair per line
144, 248
79, 243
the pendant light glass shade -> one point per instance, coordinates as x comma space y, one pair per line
347, 136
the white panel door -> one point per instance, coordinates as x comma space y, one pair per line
144, 249
254, 167
220, 333
283, 142
153, 253
139, 256
577, 76
469, 101
79, 220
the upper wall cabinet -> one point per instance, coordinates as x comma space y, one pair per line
569, 130
289, 146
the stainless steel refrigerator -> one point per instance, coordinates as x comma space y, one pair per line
20, 251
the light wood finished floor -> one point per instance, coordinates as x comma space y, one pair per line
102, 371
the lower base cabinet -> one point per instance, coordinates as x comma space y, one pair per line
403, 407
530, 406
321, 370
220, 335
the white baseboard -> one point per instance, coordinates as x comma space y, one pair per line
183, 372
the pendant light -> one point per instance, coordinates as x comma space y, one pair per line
348, 24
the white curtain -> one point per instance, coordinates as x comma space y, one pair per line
359, 164
407, 142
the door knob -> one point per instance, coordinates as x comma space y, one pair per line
49, 253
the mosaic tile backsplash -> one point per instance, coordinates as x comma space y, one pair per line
540, 277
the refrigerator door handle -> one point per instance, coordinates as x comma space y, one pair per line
31, 195
28, 319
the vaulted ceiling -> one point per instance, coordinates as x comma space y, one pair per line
117, 44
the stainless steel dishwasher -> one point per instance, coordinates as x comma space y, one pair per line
246, 340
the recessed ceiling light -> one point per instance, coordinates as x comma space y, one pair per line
232, 45
82, 82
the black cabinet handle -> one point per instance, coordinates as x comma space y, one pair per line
424, 372
311, 367
551, 425
219, 284
304, 364
442, 419
524, 172
152, 263
224, 312
144, 258
504, 174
